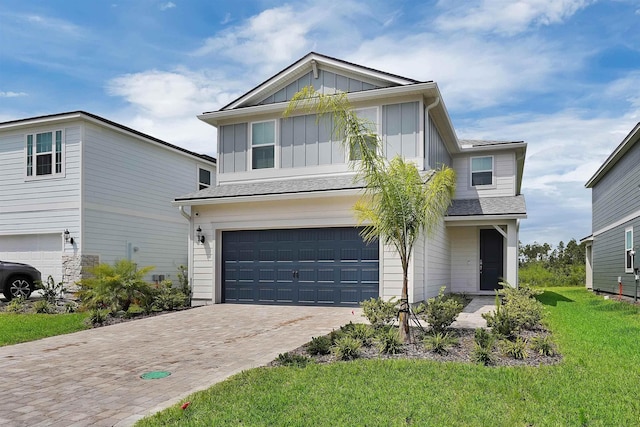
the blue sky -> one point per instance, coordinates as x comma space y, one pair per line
562, 75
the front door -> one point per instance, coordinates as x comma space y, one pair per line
491, 259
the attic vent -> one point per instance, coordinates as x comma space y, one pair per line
314, 66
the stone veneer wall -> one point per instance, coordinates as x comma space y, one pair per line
73, 267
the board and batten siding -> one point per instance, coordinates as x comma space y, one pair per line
307, 141
504, 171
128, 188
400, 129
436, 152
617, 195
41, 205
233, 146
609, 259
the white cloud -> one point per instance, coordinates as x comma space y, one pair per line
505, 16
167, 6
10, 94
50, 24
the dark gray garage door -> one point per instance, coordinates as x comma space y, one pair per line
311, 266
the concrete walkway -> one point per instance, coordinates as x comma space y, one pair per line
92, 378
471, 316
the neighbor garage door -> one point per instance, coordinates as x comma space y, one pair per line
313, 266
43, 251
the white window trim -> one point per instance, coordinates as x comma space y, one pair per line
347, 152
626, 249
276, 157
493, 172
52, 175
198, 169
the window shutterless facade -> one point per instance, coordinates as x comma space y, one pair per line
263, 141
204, 178
481, 171
369, 118
628, 247
45, 154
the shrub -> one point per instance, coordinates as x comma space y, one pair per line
51, 291
44, 307
335, 335
389, 341
97, 316
440, 312
292, 359
520, 310
380, 312
439, 342
483, 338
347, 348
115, 287
70, 307
319, 345
17, 305
483, 355
168, 298
516, 349
363, 333
543, 345
183, 283
501, 322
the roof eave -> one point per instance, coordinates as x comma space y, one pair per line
199, 201
460, 218
614, 157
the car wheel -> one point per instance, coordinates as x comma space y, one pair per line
18, 286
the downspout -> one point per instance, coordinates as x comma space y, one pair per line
189, 250
427, 129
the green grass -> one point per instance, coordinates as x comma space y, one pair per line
17, 328
597, 384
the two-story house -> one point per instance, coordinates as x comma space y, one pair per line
278, 227
615, 203
77, 189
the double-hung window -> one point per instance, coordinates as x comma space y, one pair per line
628, 248
263, 141
481, 171
369, 132
45, 154
204, 178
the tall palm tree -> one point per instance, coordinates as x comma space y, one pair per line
399, 203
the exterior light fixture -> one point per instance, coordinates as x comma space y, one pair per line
199, 235
67, 237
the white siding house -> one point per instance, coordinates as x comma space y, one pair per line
279, 224
110, 186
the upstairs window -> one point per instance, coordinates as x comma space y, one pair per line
45, 154
369, 118
628, 247
204, 179
481, 171
263, 141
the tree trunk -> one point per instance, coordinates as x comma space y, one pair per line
405, 335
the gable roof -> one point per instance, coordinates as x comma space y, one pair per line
308, 63
626, 144
74, 115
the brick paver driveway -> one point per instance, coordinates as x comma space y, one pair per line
93, 377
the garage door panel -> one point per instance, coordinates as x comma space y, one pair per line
299, 266
43, 251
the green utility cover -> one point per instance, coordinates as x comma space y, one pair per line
154, 375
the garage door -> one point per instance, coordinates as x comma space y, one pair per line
43, 251
326, 266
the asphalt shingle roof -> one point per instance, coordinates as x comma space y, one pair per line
488, 206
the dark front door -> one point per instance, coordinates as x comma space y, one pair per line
491, 259
311, 266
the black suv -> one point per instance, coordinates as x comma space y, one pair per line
17, 280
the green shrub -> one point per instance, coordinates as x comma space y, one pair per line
335, 335
97, 316
347, 348
115, 287
501, 322
70, 307
389, 341
439, 342
363, 333
380, 312
51, 291
483, 338
516, 349
519, 310
44, 307
17, 305
483, 355
292, 359
440, 312
543, 345
319, 345
168, 298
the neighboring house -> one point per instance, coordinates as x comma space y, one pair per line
279, 225
615, 205
109, 186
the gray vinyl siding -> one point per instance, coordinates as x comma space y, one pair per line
305, 142
617, 194
326, 83
400, 129
437, 154
44, 205
609, 259
233, 147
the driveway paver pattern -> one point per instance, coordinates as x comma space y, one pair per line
92, 377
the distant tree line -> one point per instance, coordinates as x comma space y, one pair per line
543, 265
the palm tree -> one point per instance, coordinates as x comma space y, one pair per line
399, 203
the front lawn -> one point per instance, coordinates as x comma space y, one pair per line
21, 327
597, 384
